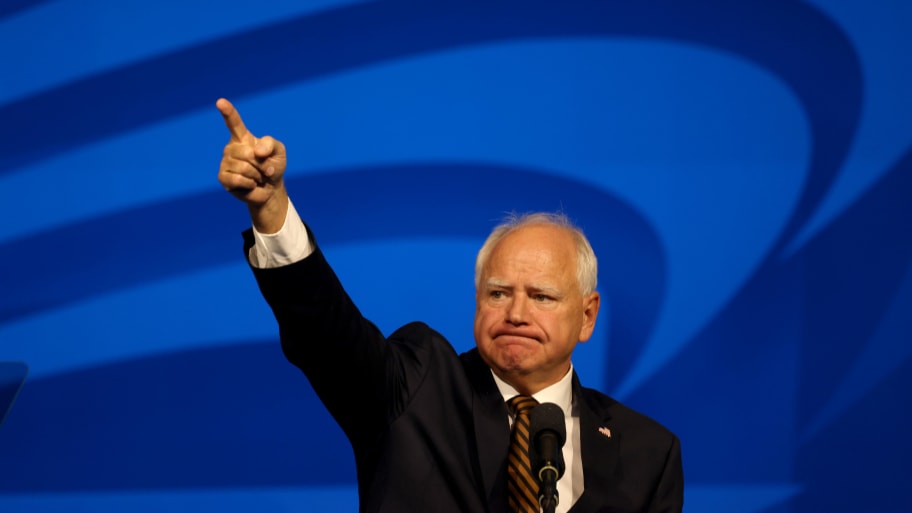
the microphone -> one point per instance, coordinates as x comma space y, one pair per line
548, 433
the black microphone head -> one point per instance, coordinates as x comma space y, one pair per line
548, 433
550, 417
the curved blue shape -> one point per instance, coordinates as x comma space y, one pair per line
871, 237
397, 197
786, 350
404, 208
552, 103
809, 50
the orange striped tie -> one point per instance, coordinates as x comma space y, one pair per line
522, 488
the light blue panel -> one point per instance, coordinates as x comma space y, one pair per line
217, 306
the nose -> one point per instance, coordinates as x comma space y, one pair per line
516, 311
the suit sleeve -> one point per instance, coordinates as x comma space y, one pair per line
345, 357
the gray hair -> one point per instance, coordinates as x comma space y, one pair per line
586, 263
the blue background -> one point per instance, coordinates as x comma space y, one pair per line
744, 170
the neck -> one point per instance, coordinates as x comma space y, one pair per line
529, 384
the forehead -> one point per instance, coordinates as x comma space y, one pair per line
534, 248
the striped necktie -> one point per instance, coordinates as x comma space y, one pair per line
522, 488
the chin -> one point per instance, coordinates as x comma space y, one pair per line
514, 359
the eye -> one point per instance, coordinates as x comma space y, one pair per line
497, 294
542, 298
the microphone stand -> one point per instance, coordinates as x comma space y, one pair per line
547, 494
546, 423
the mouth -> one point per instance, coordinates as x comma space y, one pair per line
511, 338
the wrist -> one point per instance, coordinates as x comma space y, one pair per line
269, 217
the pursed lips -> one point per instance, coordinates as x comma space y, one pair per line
515, 337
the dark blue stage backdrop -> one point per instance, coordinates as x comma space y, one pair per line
744, 169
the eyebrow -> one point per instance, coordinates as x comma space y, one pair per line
499, 284
495, 283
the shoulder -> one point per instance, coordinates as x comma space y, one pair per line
421, 336
630, 421
417, 329
419, 346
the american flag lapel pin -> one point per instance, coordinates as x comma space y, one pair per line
605, 431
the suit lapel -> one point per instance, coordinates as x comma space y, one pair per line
599, 447
492, 430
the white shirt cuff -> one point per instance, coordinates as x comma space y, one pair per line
288, 245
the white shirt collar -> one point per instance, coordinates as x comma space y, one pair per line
560, 393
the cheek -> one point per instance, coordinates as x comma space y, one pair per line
558, 328
483, 319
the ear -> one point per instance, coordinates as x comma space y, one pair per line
590, 312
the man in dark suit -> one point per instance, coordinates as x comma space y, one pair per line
431, 428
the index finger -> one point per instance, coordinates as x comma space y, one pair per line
232, 119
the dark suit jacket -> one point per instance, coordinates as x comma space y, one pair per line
429, 427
